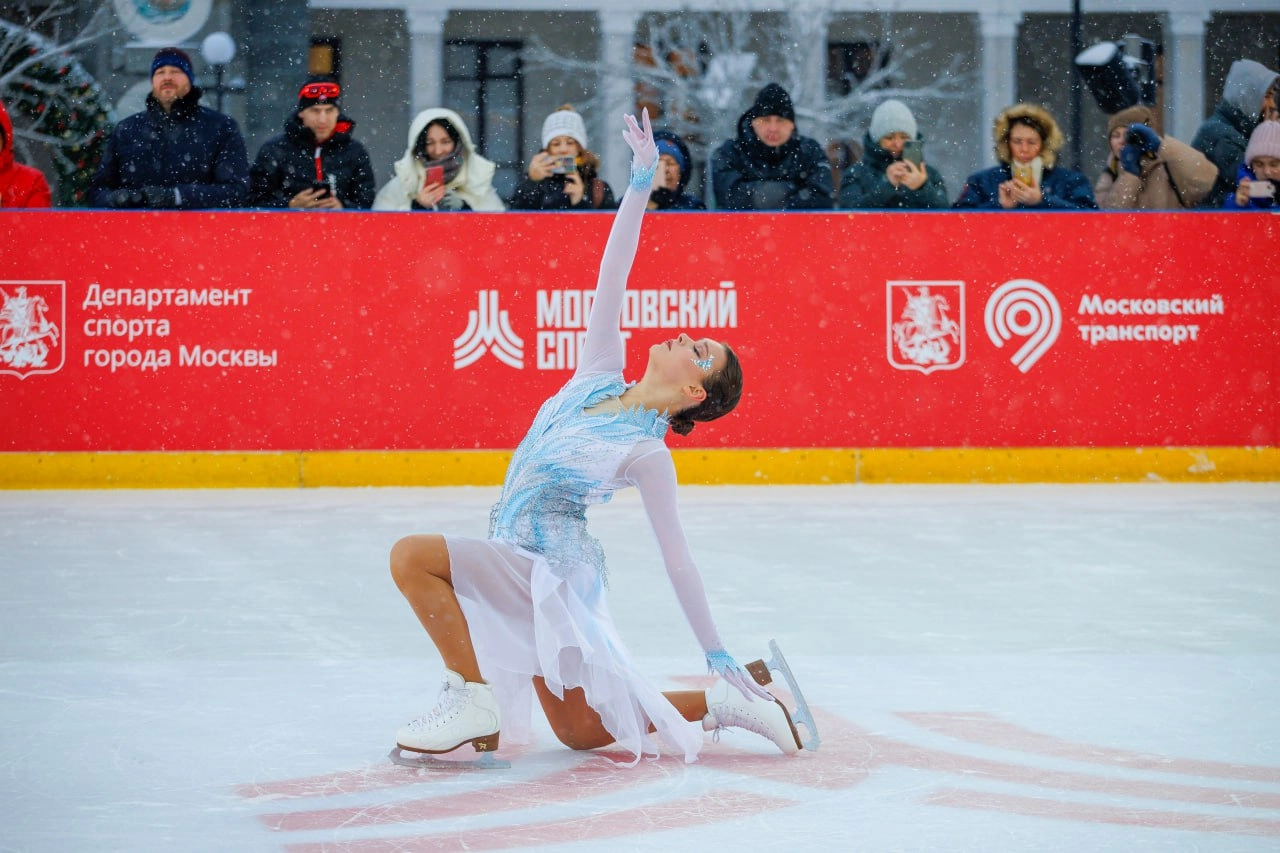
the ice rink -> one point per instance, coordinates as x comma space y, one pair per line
993, 668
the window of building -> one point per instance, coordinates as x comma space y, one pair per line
483, 84
850, 63
325, 56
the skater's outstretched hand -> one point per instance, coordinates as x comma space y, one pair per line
722, 664
639, 136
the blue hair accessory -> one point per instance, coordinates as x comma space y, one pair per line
642, 176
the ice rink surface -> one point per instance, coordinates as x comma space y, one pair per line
993, 668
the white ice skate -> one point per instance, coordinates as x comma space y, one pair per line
727, 707
465, 713
762, 671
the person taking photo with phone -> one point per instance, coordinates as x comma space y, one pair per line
316, 163
892, 173
1249, 96
1258, 179
564, 175
1028, 178
441, 169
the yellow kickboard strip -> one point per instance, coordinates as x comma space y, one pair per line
810, 466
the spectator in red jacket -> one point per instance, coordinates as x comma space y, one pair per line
20, 186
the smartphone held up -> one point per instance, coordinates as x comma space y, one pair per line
564, 165
435, 175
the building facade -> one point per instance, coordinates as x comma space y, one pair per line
505, 65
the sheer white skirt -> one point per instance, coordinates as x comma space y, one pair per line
527, 621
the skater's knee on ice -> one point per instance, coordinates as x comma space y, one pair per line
580, 735
415, 558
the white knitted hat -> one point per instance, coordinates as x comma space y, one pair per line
1265, 142
564, 122
892, 116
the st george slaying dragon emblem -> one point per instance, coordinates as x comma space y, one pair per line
921, 332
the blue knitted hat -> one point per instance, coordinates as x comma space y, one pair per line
175, 57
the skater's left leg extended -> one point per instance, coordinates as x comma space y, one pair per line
577, 725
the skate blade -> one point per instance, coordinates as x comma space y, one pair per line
762, 671
426, 761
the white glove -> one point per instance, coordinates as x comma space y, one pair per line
640, 138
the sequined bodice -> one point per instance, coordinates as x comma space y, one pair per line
568, 461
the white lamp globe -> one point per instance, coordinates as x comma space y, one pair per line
218, 48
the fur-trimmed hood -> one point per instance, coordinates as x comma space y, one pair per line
1050, 135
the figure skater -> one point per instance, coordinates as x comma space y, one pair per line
524, 611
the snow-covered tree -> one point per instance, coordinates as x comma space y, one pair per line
55, 104
697, 70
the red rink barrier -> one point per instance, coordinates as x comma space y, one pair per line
288, 331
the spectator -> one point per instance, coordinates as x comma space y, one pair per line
20, 186
1260, 172
316, 164
175, 153
1148, 172
885, 178
1027, 144
440, 169
769, 166
674, 167
564, 175
1249, 92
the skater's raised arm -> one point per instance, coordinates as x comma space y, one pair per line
654, 474
602, 349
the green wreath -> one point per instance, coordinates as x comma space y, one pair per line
61, 106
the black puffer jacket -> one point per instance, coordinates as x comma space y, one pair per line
194, 149
749, 175
549, 194
286, 165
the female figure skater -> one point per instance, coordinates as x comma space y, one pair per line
524, 611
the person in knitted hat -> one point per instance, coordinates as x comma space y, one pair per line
564, 174
1259, 175
885, 178
1248, 95
1028, 178
175, 153
768, 165
674, 167
1147, 171
316, 163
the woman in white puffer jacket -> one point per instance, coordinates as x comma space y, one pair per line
439, 138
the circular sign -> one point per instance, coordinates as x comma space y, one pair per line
163, 21
134, 100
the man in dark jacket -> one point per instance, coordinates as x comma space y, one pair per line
769, 166
175, 153
1250, 89
674, 167
316, 164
